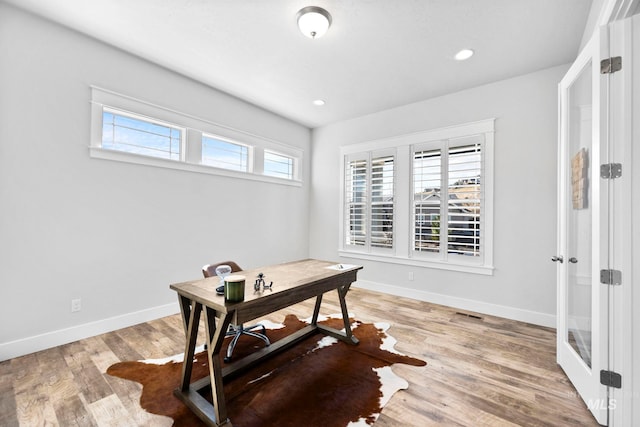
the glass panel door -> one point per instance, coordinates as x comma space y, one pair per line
579, 215
582, 231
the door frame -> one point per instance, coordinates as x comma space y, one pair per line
624, 329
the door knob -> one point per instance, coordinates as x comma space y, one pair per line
559, 259
573, 260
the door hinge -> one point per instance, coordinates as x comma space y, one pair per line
611, 379
611, 277
611, 65
611, 170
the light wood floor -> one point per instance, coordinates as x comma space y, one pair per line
481, 372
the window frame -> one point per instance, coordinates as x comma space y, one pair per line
191, 152
403, 197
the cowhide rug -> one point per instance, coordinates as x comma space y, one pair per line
319, 382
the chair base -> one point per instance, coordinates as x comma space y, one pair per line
237, 330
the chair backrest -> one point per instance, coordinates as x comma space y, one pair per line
209, 270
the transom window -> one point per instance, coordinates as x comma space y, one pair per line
278, 165
224, 154
138, 135
129, 130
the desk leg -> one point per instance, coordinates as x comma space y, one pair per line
215, 338
191, 315
188, 392
347, 336
342, 293
316, 310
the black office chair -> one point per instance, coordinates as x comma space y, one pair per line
235, 331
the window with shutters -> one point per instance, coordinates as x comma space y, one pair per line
356, 198
447, 198
369, 202
422, 199
427, 170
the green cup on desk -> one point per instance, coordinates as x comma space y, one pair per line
234, 288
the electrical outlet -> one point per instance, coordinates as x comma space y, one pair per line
411, 276
76, 304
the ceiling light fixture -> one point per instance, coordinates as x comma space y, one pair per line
464, 54
313, 21
319, 102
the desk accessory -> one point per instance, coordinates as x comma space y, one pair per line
261, 282
222, 271
234, 288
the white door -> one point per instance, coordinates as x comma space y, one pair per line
582, 333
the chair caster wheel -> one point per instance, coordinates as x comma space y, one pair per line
227, 359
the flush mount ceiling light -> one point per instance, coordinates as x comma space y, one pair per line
313, 21
319, 102
464, 54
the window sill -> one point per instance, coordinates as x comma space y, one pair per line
486, 270
119, 156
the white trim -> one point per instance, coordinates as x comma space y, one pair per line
121, 156
616, 10
486, 270
449, 132
623, 325
47, 340
521, 315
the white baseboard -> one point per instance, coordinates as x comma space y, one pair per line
534, 317
35, 343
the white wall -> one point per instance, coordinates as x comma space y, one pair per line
114, 234
524, 282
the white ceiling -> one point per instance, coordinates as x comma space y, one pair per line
378, 54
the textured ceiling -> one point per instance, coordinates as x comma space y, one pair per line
378, 54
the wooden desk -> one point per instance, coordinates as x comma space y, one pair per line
292, 283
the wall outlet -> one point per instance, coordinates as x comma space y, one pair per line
76, 305
410, 276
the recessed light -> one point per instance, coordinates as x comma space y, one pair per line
464, 54
319, 102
